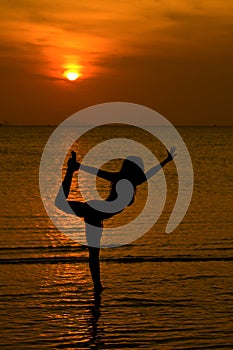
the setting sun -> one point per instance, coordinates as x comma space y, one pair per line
71, 75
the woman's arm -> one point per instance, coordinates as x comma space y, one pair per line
72, 166
170, 155
107, 175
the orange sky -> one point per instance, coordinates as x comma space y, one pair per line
174, 56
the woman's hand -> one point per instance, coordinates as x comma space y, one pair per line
171, 154
72, 164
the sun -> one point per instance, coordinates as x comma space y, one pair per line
71, 75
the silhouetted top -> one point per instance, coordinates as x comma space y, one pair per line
129, 171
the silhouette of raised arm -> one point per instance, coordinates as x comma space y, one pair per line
107, 175
170, 155
73, 165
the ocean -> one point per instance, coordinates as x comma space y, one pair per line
162, 291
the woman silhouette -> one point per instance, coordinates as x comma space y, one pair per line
132, 170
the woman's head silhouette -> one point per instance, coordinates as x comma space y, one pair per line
133, 170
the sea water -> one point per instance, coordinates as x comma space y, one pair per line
163, 291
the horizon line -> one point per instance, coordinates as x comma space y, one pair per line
56, 125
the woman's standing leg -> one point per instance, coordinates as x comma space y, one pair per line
93, 236
94, 265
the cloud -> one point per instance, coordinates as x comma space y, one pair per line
53, 34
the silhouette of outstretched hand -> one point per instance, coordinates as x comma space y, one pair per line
72, 164
171, 154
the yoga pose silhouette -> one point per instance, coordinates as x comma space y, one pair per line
93, 212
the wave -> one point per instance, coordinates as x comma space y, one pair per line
44, 248
123, 260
